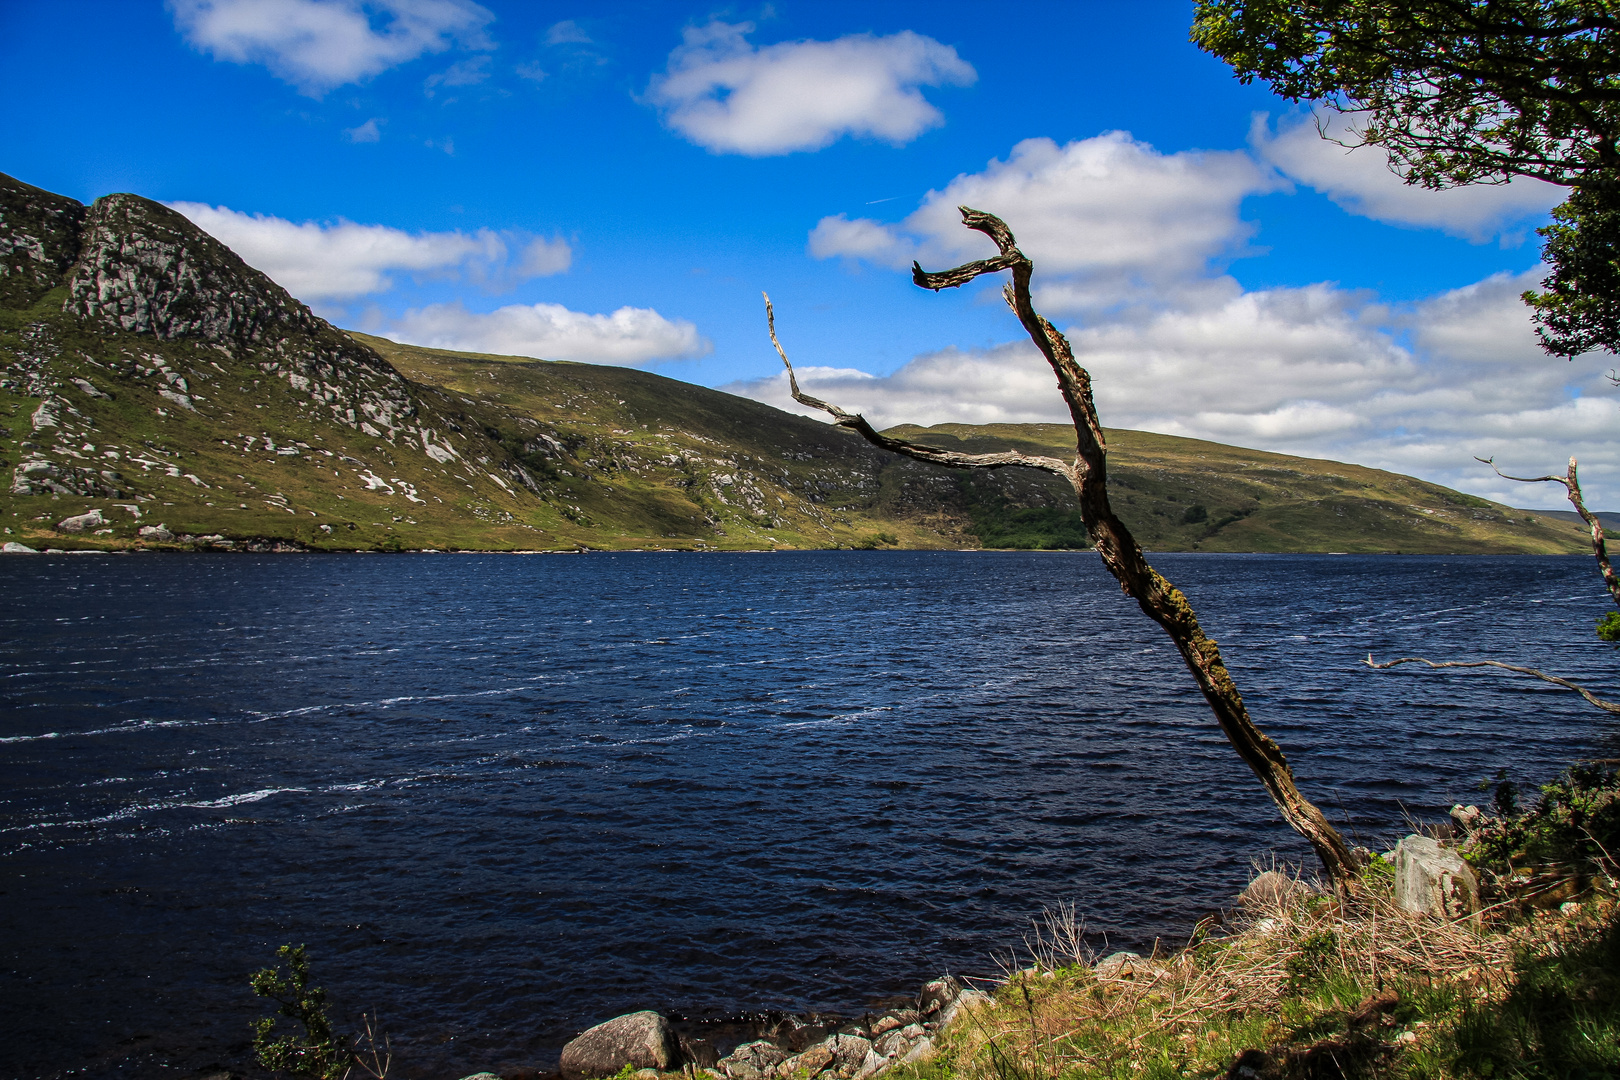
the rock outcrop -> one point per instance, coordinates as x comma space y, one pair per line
39, 240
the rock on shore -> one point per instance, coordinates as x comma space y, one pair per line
858, 1050
642, 1040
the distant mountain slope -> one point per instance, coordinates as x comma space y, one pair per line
1609, 519
640, 455
1181, 494
162, 393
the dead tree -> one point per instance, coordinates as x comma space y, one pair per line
1159, 600
1572, 486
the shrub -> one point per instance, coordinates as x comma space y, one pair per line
1574, 826
320, 1053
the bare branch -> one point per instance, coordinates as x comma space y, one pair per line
917, 451
1606, 706
1572, 486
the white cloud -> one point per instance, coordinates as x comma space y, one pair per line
366, 132
567, 32
1106, 219
323, 262
1360, 181
552, 332
468, 72
1316, 371
1134, 239
1010, 384
729, 96
316, 45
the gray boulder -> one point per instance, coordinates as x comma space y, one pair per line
13, 548
873, 1065
1120, 965
890, 1043
966, 1002
923, 1051
849, 1053
642, 1040
1272, 890
159, 533
750, 1060
81, 522
1433, 880
938, 994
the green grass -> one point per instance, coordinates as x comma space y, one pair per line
625, 459
1181, 494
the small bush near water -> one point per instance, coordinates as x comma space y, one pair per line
318, 1052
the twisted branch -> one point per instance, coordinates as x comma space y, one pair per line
1572, 485
1159, 600
1606, 706
931, 454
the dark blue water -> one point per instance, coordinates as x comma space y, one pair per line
503, 797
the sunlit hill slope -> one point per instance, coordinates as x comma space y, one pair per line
159, 393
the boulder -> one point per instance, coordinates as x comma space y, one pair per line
891, 1042
1433, 880
13, 548
812, 1061
1272, 890
158, 533
642, 1040
919, 1053
938, 994
1467, 818
1120, 965
873, 1064
966, 1001
81, 522
849, 1052
750, 1060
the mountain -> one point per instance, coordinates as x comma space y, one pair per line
1607, 518
161, 393
1181, 494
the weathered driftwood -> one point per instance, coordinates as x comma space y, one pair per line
1158, 599
1572, 486
1606, 706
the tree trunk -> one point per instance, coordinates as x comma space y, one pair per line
1088, 473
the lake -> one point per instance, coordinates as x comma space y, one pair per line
504, 797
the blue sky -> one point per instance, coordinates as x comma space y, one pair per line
617, 183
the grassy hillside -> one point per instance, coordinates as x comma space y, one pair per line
1189, 495
157, 392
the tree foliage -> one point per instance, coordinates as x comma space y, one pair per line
1467, 92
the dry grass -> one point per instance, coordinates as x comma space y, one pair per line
1328, 987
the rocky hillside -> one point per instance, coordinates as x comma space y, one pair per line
158, 392
161, 392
